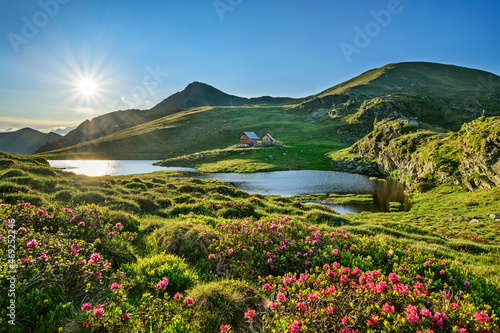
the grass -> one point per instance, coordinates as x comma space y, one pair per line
176, 217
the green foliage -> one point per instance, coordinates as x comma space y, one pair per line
90, 197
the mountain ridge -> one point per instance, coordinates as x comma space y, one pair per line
25, 141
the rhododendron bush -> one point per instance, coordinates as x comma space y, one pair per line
340, 299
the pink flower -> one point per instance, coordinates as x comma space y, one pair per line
442, 272
462, 330
387, 308
111, 234
335, 251
44, 257
125, 317
67, 210
301, 306
118, 225
224, 328
94, 258
86, 306
267, 287
295, 327
482, 317
99, 312
345, 320
250, 314
280, 297
372, 321
454, 305
393, 277
466, 283
163, 283
230, 251
33, 243
273, 305
345, 330
81, 224
211, 256
85, 324
426, 264
115, 285
328, 309
312, 297
178, 295
188, 301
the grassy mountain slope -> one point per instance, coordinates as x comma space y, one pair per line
440, 97
195, 94
25, 141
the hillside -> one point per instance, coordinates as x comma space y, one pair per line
25, 141
195, 94
441, 97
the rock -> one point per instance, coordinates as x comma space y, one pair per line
495, 216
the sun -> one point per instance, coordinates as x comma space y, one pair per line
87, 87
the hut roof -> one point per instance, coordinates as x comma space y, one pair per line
270, 137
251, 135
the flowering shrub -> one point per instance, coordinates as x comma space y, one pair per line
52, 269
341, 299
280, 245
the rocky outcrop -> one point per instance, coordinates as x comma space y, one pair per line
470, 157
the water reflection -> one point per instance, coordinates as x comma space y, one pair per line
110, 167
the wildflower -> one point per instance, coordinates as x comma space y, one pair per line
372, 321
466, 283
393, 277
345, 320
454, 305
188, 301
225, 328
99, 312
267, 287
335, 251
482, 317
33, 243
250, 314
426, 264
295, 327
163, 283
81, 224
98, 276
328, 309
67, 210
111, 234
273, 305
345, 330
312, 297
85, 324
118, 225
125, 317
44, 257
442, 272
301, 306
115, 285
280, 297
387, 308
94, 258
230, 251
211, 256
22, 229
178, 295
86, 306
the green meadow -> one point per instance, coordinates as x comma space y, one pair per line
159, 252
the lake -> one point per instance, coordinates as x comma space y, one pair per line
284, 183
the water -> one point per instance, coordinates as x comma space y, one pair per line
110, 167
284, 183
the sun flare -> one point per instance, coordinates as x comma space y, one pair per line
87, 87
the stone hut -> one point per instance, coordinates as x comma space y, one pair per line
249, 138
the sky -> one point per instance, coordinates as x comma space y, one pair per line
64, 61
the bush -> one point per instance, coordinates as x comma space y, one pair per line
188, 240
90, 197
13, 173
223, 302
64, 195
319, 217
152, 269
136, 186
146, 204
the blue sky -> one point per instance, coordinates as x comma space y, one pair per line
134, 53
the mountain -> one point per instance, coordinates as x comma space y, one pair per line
200, 94
196, 94
25, 141
440, 97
